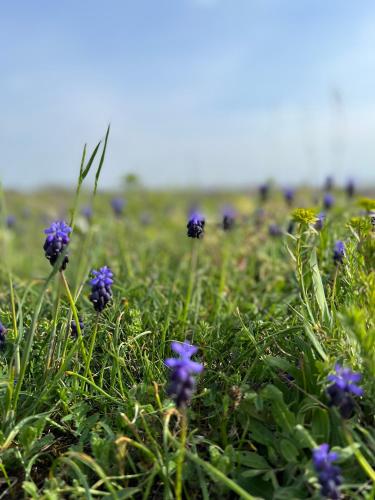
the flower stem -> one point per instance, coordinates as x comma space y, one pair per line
76, 319
92, 344
193, 267
181, 456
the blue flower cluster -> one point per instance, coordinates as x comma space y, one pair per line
195, 225
339, 252
73, 327
329, 475
229, 218
344, 385
3, 331
182, 383
56, 241
101, 292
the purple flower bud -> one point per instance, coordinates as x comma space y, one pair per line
11, 221
73, 327
320, 221
289, 196
3, 332
328, 201
56, 241
264, 190
350, 188
344, 385
182, 381
329, 475
101, 292
339, 252
195, 225
87, 212
229, 218
118, 206
274, 230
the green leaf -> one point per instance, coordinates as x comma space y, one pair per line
288, 451
320, 426
252, 460
318, 287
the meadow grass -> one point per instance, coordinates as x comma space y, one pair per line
88, 416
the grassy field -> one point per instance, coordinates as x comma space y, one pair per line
87, 415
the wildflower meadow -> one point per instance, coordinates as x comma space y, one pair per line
187, 344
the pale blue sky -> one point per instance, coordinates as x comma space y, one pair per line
205, 92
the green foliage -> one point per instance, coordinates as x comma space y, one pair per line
270, 318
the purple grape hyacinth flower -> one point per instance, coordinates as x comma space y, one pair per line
329, 475
11, 221
195, 225
182, 381
229, 218
339, 252
344, 385
56, 241
328, 201
264, 190
3, 332
350, 188
87, 212
274, 230
73, 327
289, 196
320, 218
118, 206
101, 292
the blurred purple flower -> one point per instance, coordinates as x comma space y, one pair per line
344, 385
329, 475
195, 225
339, 252
182, 381
328, 201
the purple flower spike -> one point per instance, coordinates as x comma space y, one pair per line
344, 385
328, 201
264, 190
195, 225
118, 206
274, 230
3, 332
101, 292
182, 382
87, 212
229, 218
350, 188
339, 252
11, 221
56, 241
329, 475
320, 221
289, 196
